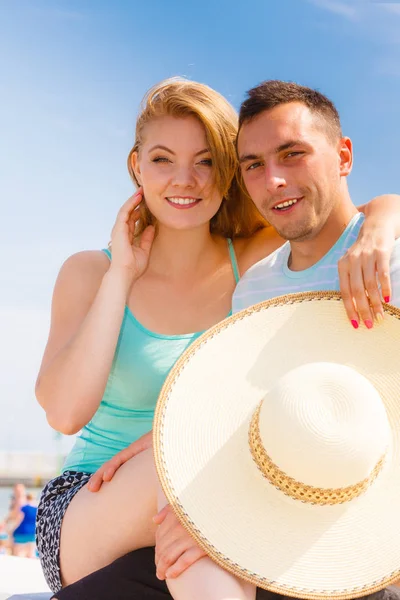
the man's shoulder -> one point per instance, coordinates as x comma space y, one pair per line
273, 260
253, 285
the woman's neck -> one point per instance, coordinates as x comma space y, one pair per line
176, 253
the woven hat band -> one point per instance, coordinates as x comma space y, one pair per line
296, 489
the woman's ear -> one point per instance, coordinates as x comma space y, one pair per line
135, 165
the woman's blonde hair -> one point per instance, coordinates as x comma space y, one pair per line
178, 97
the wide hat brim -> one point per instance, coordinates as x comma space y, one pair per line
243, 522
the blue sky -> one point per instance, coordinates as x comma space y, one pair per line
72, 76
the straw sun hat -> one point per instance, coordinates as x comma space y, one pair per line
277, 440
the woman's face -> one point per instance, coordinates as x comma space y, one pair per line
175, 170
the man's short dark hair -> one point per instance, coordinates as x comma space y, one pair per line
272, 93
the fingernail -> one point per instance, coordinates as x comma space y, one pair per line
368, 324
354, 323
379, 317
387, 299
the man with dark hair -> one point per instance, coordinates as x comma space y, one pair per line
273, 93
294, 162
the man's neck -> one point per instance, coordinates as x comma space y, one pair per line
306, 253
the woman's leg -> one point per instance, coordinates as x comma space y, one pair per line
100, 527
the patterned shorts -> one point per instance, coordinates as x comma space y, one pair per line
54, 501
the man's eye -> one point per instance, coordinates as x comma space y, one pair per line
292, 154
253, 166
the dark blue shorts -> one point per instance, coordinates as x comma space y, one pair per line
54, 501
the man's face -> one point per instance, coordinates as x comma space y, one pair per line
292, 168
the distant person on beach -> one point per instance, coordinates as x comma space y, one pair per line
17, 500
24, 544
122, 317
18, 497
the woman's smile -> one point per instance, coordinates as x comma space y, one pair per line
183, 201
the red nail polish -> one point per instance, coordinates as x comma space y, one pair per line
368, 324
354, 323
387, 299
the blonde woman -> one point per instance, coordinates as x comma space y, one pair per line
122, 317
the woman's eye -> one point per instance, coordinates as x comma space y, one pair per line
207, 162
160, 159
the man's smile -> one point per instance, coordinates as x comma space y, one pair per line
286, 205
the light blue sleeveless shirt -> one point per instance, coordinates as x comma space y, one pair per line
140, 366
271, 277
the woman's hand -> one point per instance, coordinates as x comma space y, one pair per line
362, 268
176, 550
108, 470
128, 254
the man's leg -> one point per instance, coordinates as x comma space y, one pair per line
133, 577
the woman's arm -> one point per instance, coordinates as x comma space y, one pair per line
365, 266
384, 209
87, 311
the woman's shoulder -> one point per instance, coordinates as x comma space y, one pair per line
253, 249
86, 262
83, 272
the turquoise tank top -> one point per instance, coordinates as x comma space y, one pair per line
140, 366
